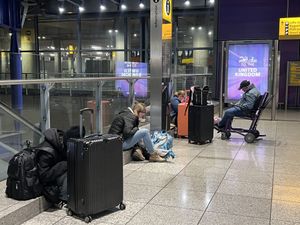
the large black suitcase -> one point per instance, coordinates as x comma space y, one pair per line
95, 174
201, 123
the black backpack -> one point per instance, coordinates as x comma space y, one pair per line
198, 96
23, 179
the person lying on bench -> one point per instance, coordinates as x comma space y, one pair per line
242, 108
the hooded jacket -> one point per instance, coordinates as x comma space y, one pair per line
246, 103
53, 162
125, 124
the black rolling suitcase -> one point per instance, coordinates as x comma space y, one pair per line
95, 174
201, 123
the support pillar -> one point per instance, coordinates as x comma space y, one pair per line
160, 62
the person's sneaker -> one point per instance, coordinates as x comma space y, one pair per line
154, 157
60, 205
137, 155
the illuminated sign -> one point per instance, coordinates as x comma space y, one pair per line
167, 10
136, 69
167, 31
247, 62
289, 28
294, 72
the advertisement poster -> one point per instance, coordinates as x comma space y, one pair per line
247, 62
135, 69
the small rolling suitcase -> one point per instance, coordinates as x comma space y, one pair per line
95, 174
201, 123
182, 121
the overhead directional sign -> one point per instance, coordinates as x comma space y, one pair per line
289, 28
167, 10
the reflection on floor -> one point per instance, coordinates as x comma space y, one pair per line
223, 183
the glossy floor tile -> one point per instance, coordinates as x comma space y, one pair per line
222, 183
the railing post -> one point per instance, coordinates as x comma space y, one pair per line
275, 80
45, 107
221, 79
131, 91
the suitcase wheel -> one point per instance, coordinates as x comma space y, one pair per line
122, 206
69, 212
88, 219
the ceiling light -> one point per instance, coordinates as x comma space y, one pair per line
199, 28
102, 7
209, 33
123, 6
44, 37
81, 8
211, 2
142, 5
187, 3
116, 31
109, 31
192, 28
135, 35
61, 9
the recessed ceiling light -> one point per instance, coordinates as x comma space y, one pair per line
102, 7
187, 3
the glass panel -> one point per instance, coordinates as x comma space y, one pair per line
196, 31
134, 36
194, 61
4, 39
56, 35
99, 34
28, 36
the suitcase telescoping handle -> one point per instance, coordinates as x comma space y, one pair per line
91, 111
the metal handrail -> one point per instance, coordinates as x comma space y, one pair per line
86, 79
191, 75
9, 111
67, 80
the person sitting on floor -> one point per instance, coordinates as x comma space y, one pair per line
242, 108
175, 100
126, 125
52, 164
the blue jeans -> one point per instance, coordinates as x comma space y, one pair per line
141, 135
229, 114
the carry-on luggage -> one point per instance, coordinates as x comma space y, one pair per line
201, 123
182, 121
95, 174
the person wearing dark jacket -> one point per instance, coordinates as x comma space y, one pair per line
242, 107
126, 125
52, 163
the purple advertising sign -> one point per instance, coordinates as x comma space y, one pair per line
247, 62
132, 69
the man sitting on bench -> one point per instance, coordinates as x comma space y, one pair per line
242, 108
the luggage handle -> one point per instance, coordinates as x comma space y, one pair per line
91, 111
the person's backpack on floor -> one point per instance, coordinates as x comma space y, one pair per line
23, 180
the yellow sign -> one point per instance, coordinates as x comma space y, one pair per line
71, 49
294, 72
167, 31
187, 61
167, 10
289, 28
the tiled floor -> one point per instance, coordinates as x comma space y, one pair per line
223, 183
